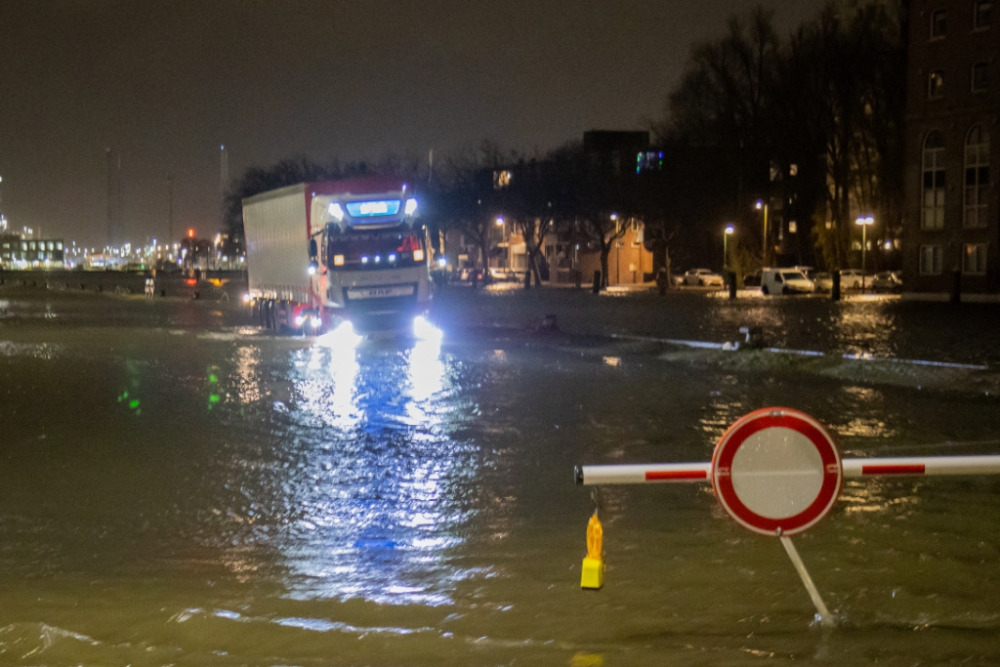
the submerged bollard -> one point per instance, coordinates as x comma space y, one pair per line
597, 282
835, 288
732, 285
956, 287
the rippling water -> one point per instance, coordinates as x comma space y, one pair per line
178, 489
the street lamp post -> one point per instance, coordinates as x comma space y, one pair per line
864, 222
763, 206
502, 224
725, 246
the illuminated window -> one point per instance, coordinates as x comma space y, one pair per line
932, 209
974, 259
938, 24
980, 80
930, 259
981, 19
977, 176
935, 85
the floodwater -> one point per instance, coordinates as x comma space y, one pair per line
177, 488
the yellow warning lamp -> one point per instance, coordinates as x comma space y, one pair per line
593, 567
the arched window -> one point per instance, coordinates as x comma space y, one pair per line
932, 208
977, 176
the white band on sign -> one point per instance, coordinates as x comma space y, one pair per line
777, 471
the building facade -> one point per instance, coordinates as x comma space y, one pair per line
20, 253
952, 212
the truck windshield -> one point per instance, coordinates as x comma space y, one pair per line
375, 250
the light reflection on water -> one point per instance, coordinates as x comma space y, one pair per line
378, 517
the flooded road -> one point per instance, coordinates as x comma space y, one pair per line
178, 488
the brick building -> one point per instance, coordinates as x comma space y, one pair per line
952, 209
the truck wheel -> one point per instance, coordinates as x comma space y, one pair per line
764, 290
784, 290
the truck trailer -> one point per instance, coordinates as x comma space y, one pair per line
325, 252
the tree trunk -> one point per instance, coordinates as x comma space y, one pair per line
605, 251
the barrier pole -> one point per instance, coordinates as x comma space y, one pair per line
824, 614
658, 473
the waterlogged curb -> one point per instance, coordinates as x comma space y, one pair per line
866, 371
984, 381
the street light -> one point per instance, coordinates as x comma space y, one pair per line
725, 247
759, 206
864, 222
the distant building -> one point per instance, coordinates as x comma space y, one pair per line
20, 253
952, 206
616, 153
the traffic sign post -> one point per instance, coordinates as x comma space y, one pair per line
778, 472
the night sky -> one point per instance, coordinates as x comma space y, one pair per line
164, 82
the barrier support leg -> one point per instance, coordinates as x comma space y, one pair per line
793, 554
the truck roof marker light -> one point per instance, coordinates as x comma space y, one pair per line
336, 211
392, 257
364, 259
378, 258
418, 255
411, 206
338, 260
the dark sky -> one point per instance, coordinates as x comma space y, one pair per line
164, 82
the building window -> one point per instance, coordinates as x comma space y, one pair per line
935, 85
974, 259
981, 20
977, 176
932, 208
980, 80
930, 260
938, 24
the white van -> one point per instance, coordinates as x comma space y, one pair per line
785, 281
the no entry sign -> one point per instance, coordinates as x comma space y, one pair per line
777, 471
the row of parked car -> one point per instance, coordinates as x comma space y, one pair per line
804, 279
798, 280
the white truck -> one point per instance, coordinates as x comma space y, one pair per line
323, 252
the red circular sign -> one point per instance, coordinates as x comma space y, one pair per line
777, 471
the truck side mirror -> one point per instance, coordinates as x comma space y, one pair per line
313, 251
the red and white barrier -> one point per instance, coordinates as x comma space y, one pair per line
660, 473
778, 472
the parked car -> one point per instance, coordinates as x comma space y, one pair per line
676, 279
702, 277
852, 278
887, 281
785, 281
822, 280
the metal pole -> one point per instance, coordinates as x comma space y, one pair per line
864, 248
793, 554
765, 235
